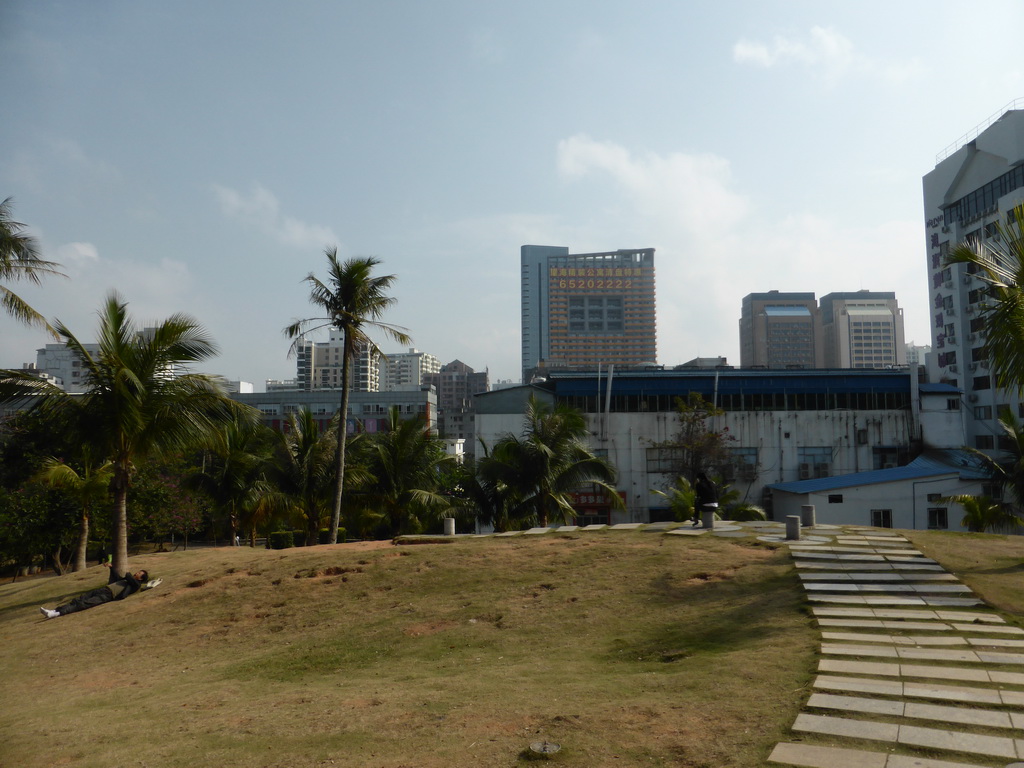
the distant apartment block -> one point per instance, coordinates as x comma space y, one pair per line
861, 329
318, 365
968, 196
456, 385
405, 370
780, 330
584, 310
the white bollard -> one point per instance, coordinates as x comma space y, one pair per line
807, 515
449, 526
793, 527
707, 518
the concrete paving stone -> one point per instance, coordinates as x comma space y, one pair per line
914, 560
1001, 658
888, 588
686, 532
873, 668
1016, 719
837, 726
895, 600
966, 602
957, 741
963, 715
995, 642
1006, 678
536, 531
1012, 698
873, 600
933, 567
928, 671
844, 726
839, 649
826, 576
863, 558
952, 693
830, 567
901, 613
857, 637
988, 629
852, 623
992, 618
508, 533
859, 685
832, 587
937, 654
929, 577
729, 534
868, 637
595, 527
908, 761
887, 707
938, 589
564, 528
626, 526
880, 624
810, 756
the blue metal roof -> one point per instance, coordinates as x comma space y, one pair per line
932, 464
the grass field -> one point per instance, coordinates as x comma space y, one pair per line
626, 648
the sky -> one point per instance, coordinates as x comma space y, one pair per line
199, 157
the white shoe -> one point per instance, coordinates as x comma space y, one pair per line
48, 613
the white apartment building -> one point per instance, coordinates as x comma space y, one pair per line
863, 329
972, 190
59, 361
318, 365
405, 370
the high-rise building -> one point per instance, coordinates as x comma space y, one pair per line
585, 310
863, 329
780, 330
405, 370
318, 365
456, 384
973, 188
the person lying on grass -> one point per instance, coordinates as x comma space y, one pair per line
118, 589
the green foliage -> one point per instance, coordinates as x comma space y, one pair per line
697, 447
983, 514
681, 499
531, 477
281, 539
20, 260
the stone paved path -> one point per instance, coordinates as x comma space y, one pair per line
916, 672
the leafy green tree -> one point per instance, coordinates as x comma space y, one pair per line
139, 404
546, 463
301, 473
20, 260
999, 262
403, 472
89, 487
163, 505
983, 514
353, 300
233, 477
696, 446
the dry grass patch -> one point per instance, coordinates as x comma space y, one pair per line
625, 648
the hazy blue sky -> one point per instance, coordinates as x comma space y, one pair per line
199, 156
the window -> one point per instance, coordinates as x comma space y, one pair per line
984, 442
983, 412
938, 519
881, 518
953, 404
835, 498
664, 459
982, 382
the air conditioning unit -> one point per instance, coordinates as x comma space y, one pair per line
972, 398
951, 339
822, 470
972, 366
948, 284
984, 364
945, 228
968, 279
805, 471
954, 369
972, 337
970, 309
950, 311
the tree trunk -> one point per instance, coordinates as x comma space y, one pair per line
119, 533
83, 542
346, 362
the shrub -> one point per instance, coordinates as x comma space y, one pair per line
281, 540
298, 538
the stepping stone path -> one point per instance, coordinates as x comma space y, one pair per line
916, 672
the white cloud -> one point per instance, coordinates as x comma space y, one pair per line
829, 53
260, 209
76, 255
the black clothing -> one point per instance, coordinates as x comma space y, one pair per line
128, 585
706, 497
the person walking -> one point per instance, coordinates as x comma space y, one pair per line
705, 499
117, 589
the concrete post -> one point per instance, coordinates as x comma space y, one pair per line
807, 515
449, 526
707, 518
793, 527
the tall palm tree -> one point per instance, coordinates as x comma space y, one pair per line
301, 475
137, 404
89, 488
547, 462
20, 260
999, 262
353, 300
404, 466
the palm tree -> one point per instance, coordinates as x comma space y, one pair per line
404, 469
300, 475
547, 463
20, 260
999, 262
681, 498
233, 480
983, 513
353, 301
137, 405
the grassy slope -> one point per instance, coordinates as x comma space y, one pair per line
625, 648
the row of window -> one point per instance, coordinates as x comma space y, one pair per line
757, 401
985, 198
